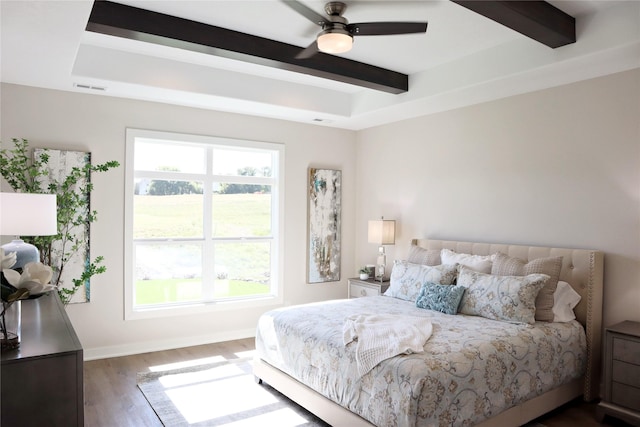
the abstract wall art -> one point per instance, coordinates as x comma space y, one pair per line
325, 205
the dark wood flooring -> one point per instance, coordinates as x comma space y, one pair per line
113, 399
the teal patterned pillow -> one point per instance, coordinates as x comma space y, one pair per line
443, 298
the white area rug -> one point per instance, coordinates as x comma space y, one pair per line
222, 394
219, 394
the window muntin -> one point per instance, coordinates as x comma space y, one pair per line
206, 231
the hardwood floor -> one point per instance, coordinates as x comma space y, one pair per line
577, 414
112, 398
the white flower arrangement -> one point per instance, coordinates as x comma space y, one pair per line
35, 276
7, 260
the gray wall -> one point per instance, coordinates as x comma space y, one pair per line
559, 167
62, 120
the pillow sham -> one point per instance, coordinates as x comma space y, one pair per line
510, 298
442, 298
504, 265
481, 263
418, 255
407, 278
565, 300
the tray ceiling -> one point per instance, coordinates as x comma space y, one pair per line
464, 57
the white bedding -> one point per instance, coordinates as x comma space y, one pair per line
471, 369
380, 336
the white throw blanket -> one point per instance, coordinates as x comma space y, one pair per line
381, 336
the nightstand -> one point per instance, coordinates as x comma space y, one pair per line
622, 373
366, 288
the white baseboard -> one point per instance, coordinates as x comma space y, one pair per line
160, 345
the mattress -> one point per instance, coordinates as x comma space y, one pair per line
471, 369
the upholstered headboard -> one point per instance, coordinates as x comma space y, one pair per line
583, 269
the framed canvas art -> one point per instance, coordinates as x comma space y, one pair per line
59, 165
324, 240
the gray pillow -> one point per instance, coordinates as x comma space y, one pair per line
418, 255
504, 265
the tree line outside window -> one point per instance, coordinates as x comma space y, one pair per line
170, 188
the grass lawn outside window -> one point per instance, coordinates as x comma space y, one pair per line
204, 232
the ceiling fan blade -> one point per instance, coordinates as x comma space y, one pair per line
308, 13
308, 51
386, 28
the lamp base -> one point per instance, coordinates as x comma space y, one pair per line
381, 264
25, 252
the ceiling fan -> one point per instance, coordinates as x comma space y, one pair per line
337, 34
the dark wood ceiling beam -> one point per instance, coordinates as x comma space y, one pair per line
139, 24
538, 20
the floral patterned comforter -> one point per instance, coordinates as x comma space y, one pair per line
472, 368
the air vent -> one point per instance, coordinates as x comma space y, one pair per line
90, 87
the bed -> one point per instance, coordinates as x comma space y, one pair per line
468, 383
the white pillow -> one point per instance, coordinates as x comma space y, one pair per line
564, 301
479, 263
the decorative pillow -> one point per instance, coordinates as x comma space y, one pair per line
481, 263
407, 278
565, 300
504, 265
418, 255
442, 298
510, 298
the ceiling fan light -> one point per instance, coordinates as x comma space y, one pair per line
335, 42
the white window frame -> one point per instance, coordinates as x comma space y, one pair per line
277, 224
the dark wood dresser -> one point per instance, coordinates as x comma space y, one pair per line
622, 373
42, 383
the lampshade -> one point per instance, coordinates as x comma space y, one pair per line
25, 214
335, 41
382, 232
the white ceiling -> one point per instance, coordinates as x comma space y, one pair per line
463, 58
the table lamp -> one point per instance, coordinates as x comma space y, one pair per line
26, 214
382, 232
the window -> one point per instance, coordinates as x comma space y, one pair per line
203, 221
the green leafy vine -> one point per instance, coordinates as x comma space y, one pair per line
26, 175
